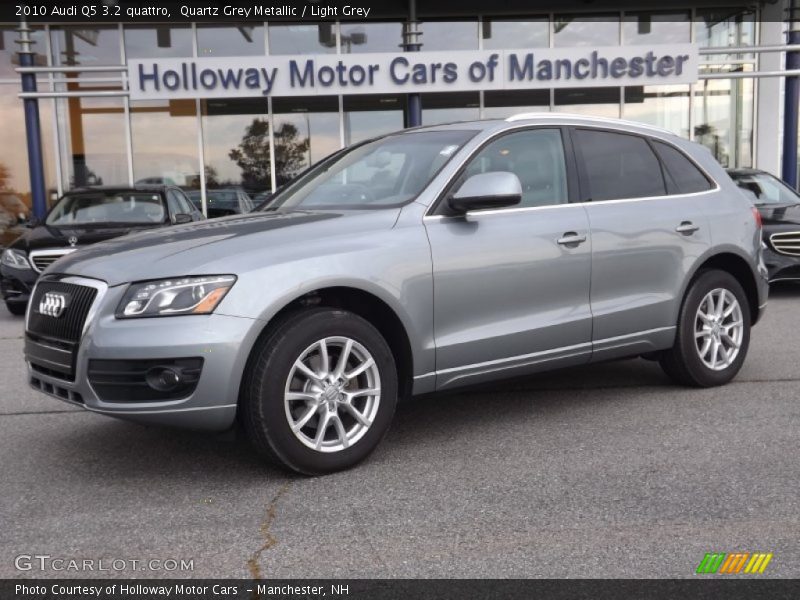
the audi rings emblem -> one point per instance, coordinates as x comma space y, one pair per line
53, 304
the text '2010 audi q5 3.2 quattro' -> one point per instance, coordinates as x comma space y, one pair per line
418, 261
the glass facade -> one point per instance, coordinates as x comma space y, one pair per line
257, 144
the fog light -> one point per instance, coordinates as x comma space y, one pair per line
164, 379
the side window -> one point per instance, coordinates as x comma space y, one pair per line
186, 205
619, 165
172, 203
687, 177
535, 156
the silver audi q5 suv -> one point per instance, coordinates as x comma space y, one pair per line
418, 261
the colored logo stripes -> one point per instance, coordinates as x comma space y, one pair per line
737, 562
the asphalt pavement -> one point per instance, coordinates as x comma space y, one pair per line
603, 471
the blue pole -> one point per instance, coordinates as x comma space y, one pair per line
411, 43
32, 128
791, 101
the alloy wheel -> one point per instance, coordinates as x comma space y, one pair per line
332, 394
718, 329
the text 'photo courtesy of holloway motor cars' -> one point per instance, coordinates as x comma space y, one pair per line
419, 261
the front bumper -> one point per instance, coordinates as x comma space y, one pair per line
16, 284
781, 267
222, 341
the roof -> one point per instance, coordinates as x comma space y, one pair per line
118, 188
549, 117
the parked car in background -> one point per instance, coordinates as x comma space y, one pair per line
223, 202
80, 218
417, 261
779, 207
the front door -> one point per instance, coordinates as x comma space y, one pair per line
511, 286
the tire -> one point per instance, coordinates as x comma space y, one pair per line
16, 309
685, 362
275, 390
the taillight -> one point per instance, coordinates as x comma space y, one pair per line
757, 217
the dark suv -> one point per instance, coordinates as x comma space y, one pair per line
81, 217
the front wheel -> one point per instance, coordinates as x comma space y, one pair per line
713, 332
320, 392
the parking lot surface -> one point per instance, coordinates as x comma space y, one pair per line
603, 471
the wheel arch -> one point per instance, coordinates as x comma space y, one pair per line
738, 266
365, 304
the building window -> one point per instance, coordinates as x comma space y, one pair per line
243, 39
656, 28
371, 37
164, 138
306, 131
15, 183
236, 144
449, 35
78, 45
302, 39
371, 115
665, 106
585, 30
93, 151
9, 57
598, 102
723, 116
158, 41
501, 34
500, 105
449, 107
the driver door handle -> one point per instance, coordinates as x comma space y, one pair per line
686, 228
571, 238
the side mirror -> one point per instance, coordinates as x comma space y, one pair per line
182, 218
496, 189
33, 222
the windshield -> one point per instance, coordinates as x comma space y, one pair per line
386, 172
766, 189
116, 207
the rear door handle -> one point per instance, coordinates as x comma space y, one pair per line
572, 239
686, 228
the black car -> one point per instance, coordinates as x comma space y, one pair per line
779, 207
223, 202
81, 217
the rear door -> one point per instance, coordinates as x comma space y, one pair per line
511, 286
647, 234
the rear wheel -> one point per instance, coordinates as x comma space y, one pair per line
713, 332
320, 391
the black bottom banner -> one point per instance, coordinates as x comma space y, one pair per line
378, 589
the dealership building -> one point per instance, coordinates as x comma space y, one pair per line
209, 105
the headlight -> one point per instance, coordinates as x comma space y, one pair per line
15, 259
167, 297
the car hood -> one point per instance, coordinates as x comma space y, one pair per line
48, 236
216, 246
782, 214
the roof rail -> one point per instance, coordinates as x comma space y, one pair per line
565, 115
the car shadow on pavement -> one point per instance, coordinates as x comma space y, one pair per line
102, 445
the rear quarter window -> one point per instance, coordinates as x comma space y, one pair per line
686, 177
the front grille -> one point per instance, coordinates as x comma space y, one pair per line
786, 243
68, 326
42, 261
51, 342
